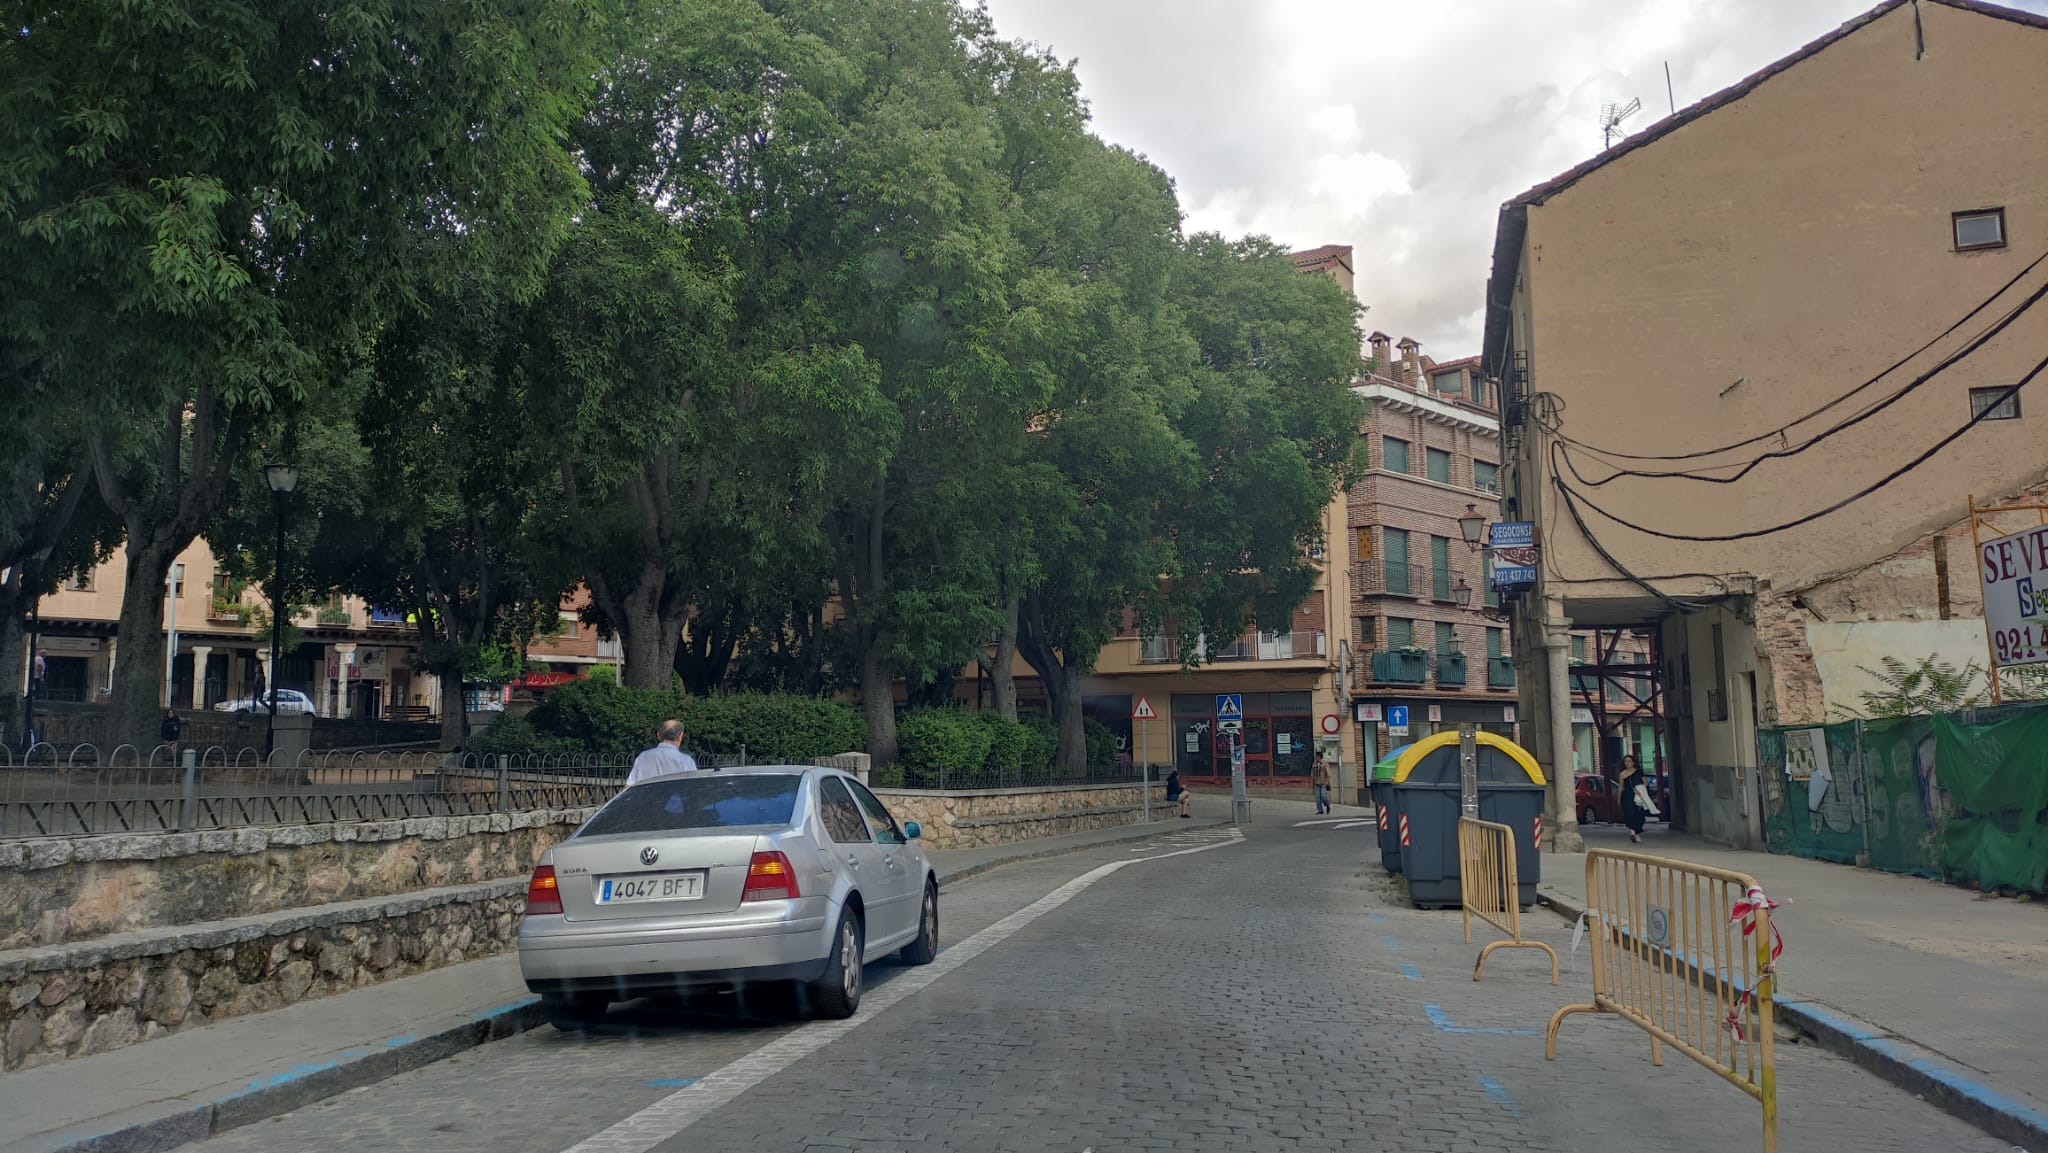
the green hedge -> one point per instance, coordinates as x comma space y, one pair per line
773, 727
933, 745
605, 718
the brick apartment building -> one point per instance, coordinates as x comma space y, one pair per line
1426, 629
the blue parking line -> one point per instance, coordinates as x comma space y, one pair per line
1411, 972
674, 1082
1499, 1096
1392, 945
1443, 1022
1375, 918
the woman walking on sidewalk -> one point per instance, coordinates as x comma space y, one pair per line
1636, 805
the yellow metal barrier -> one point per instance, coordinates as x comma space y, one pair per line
1686, 953
1491, 888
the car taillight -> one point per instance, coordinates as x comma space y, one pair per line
542, 894
769, 878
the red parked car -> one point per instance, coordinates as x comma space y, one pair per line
1597, 798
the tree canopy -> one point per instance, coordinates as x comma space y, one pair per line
819, 340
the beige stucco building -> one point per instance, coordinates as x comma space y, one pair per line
1731, 294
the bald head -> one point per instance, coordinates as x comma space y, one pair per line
671, 732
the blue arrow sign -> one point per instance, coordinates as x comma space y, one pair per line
1397, 717
1229, 706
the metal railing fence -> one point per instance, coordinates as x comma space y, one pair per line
87, 791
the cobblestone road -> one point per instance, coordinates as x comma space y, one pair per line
1276, 994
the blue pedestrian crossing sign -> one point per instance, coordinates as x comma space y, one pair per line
1229, 706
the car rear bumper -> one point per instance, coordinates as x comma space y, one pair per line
555, 957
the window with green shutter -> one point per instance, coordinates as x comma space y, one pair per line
1393, 454
1438, 462
1400, 633
1395, 550
1440, 567
1446, 637
1485, 476
1493, 642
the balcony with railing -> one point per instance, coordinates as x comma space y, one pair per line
1378, 578
1450, 670
1300, 644
1500, 672
1400, 667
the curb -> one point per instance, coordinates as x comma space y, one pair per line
1894, 1058
947, 877
288, 1091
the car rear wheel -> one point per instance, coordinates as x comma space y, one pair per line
1586, 815
836, 994
925, 947
573, 1012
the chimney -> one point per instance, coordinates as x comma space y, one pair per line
1411, 361
1382, 363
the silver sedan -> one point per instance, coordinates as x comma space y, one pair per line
768, 874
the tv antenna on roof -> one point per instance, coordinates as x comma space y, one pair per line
1611, 116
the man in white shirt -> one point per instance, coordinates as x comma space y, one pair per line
666, 757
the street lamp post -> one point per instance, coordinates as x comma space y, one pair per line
32, 583
283, 478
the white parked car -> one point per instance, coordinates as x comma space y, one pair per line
288, 701
787, 875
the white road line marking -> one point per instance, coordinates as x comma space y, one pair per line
687, 1106
1320, 821
1352, 824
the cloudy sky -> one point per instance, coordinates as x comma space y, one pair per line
1395, 126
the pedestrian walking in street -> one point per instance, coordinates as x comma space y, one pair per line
169, 731
665, 758
1177, 793
1636, 805
1319, 776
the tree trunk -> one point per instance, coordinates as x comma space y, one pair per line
136, 712
1001, 675
1065, 690
1061, 675
454, 711
13, 661
878, 703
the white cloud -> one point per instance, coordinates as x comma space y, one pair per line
1395, 126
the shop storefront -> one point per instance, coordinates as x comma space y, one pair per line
1279, 735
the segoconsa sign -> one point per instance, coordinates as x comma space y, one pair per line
2014, 573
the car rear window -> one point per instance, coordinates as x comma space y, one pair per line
698, 801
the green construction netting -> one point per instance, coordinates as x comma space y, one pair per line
1934, 796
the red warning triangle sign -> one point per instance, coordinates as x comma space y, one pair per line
1142, 711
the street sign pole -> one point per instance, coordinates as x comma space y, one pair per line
1145, 771
1468, 771
1240, 805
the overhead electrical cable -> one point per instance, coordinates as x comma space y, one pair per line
2005, 394
1839, 400
1866, 413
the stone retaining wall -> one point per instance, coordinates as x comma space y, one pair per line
63, 889
977, 818
69, 1000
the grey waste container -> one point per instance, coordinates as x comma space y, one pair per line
1510, 793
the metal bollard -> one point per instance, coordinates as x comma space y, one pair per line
188, 802
504, 786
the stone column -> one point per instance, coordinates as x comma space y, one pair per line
199, 655
1562, 807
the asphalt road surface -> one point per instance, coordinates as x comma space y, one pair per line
1201, 992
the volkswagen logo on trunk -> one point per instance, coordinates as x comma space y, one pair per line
649, 855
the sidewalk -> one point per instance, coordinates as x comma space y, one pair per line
1923, 983
183, 1087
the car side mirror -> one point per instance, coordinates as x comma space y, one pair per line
911, 831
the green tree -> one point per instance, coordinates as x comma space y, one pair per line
1273, 426
224, 197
